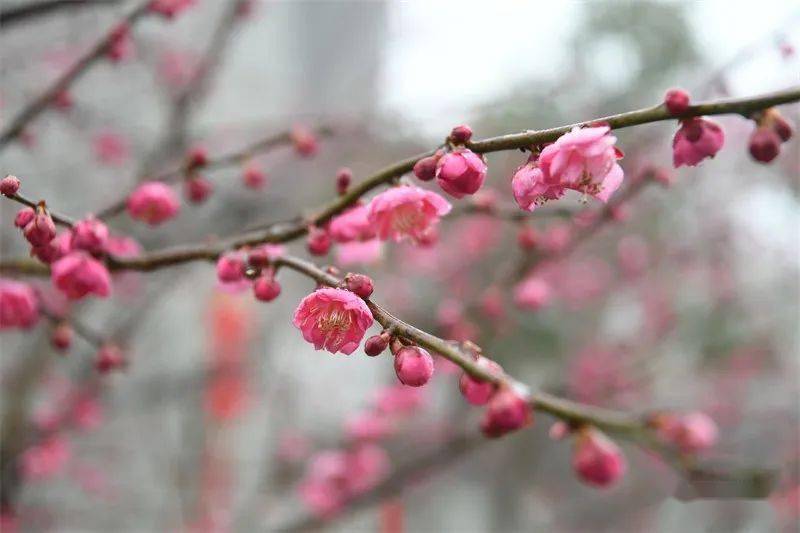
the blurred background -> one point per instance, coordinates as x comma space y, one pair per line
688, 300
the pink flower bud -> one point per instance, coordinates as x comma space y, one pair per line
532, 294
506, 411
764, 144
120, 46
559, 430
254, 177
230, 267
596, 459
196, 158
319, 242
304, 140
782, 127
90, 234
413, 366
24, 217
109, 358
41, 229
63, 100
78, 274
376, 344
690, 433
368, 426
9, 185
461, 172
198, 189
527, 238
55, 249
425, 168
461, 134
61, 337
360, 284
19, 307
343, 179
153, 202
696, 140
477, 391
676, 101
266, 288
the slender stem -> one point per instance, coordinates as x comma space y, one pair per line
33, 109
61, 220
20, 13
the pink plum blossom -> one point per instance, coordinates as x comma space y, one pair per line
111, 148
19, 307
478, 391
506, 411
413, 366
532, 294
461, 172
333, 319
359, 253
352, 225
78, 274
596, 459
696, 140
406, 212
153, 202
90, 234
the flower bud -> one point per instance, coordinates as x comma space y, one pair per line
9, 185
596, 459
690, 433
461, 172
230, 267
527, 238
41, 229
477, 391
304, 140
196, 158
266, 288
360, 284
376, 344
343, 179
24, 217
319, 242
764, 144
506, 411
254, 177
425, 168
782, 127
676, 101
413, 366
61, 337
461, 134
109, 358
198, 189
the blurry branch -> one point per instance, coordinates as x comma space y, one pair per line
511, 213
25, 12
61, 220
97, 51
190, 97
230, 159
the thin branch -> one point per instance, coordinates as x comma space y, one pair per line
25, 12
97, 51
229, 159
61, 220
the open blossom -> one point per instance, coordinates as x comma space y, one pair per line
359, 253
153, 202
90, 234
78, 274
584, 160
406, 212
352, 225
333, 319
19, 307
530, 188
506, 411
596, 459
461, 172
695, 140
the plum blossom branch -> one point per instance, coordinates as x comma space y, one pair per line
62, 220
33, 109
20, 13
226, 160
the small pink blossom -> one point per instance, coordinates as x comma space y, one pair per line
254, 176
368, 426
19, 307
506, 411
41, 229
596, 459
24, 217
91, 235
153, 202
691, 432
461, 172
406, 212
318, 241
78, 274
111, 148
197, 189
55, 249
305, 141
333, 319
413, 366
352, 225
530, 189
45, 459
9, 185
398, 399
696, 140
676, 101
532, 294
231, 267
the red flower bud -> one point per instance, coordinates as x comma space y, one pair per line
319, 242
461, 134
62, 337
343, 179
376, 344
413, 366
198, 189
676, 101
9, 185
266, 288
360, 284
764, 144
